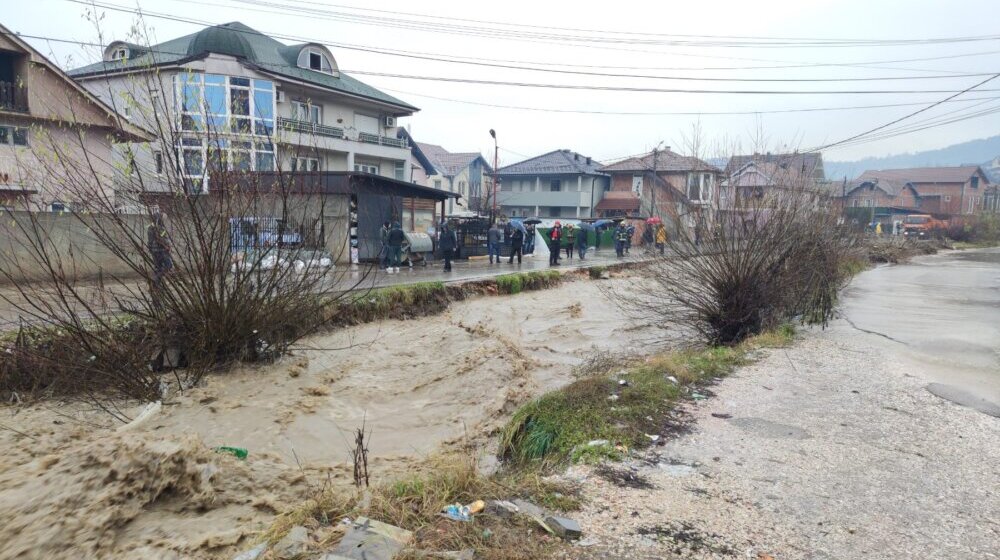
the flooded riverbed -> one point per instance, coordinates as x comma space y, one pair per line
940, 313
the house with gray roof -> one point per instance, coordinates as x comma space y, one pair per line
559, 184
271, 106
466, 174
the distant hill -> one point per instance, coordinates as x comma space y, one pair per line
979, 152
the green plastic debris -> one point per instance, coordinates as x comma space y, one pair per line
239, 452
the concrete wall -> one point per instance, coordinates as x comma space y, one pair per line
69, 238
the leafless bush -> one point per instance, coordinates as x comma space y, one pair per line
772, 256
222, 255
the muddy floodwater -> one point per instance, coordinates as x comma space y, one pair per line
418, 387
940, 313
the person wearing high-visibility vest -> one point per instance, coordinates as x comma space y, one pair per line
555, 244
621, 238
661, 238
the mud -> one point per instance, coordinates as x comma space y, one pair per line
70, 483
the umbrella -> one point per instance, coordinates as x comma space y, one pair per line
603, 223
587, 227
654, 220
517, 224
532, 221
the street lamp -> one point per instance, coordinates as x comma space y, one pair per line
496, 184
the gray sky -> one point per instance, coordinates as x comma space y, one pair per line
625, 41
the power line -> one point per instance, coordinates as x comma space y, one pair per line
675, 113
910, 115
492, 30
463, 59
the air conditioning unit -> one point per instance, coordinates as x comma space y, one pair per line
390, 122
281, 96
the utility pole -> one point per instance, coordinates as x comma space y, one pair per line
496, 184
656, 153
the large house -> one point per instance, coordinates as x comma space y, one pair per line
946, 191
466, 174
559, 184
265, 104
50, 130
751, 179
665, 184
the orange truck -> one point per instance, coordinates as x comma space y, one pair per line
920, 226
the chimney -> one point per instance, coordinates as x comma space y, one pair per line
576, 157
588, 160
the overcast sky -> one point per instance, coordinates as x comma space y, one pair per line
627, 33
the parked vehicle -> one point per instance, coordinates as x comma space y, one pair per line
921, 225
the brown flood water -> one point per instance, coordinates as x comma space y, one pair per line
418, 387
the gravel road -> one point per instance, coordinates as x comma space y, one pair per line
831, 449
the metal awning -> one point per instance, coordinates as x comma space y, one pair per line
350, 182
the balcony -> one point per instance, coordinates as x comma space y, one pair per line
13, 97
545, 198
381, 140
306, 127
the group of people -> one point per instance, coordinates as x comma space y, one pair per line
566, 237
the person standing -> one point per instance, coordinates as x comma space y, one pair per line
630, 229
384, 250
581, 243
555, 244
516, 245
158, 245
395, 245
621, 237
494, 237
661, 238
569, 240
448, 241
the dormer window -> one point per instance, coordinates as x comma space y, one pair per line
315, 59
120, 53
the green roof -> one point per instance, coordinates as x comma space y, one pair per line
243, 42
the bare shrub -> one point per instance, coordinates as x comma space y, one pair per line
773, 256
221, 254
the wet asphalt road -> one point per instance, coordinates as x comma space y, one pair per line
941, 315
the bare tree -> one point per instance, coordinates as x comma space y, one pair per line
220, 255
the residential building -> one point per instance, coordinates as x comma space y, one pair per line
945, 191
665, 184
749, 179
466, 174
559, 184
54, 134
264, 105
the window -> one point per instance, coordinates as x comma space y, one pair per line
947, 198
975, 182
13, 135
555, 211
855, 203
437, 184
121, 53
699, 187
57, 207
306, 111
366, 168
316, 60
555, 186
225, 104
158, 162
461, 189
399, 171
637, 181
196, 153
306, 164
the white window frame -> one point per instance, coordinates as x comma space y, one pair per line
311, 164
202, 115
704, 182
363, 167
399, 170
307, 111
192, 144
305, 60
638, 183
121, 53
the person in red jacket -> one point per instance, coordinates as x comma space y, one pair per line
555, 244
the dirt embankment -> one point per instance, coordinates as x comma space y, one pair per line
71, 484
